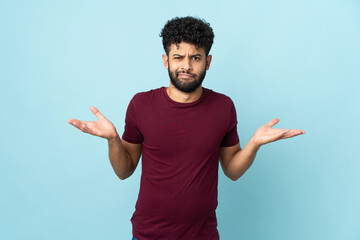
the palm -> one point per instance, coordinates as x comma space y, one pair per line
266, 134
102, 128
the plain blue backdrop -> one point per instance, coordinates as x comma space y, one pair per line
295, 60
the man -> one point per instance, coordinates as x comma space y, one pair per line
181, 132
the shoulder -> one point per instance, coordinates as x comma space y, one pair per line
219, 98
147, 96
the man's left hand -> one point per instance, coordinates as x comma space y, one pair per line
266, 134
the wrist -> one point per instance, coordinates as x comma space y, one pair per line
114, 138
254, 144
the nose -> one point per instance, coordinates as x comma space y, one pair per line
187, 64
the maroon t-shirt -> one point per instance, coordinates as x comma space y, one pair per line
180, 161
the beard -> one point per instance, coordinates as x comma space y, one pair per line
186, 85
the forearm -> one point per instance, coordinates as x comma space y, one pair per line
242, 160
120, 159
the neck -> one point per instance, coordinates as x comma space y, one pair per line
183, 97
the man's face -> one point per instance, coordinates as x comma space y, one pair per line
187, 66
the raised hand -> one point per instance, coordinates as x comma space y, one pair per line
101, 128
266, 133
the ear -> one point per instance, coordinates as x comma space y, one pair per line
165, 60
208, 61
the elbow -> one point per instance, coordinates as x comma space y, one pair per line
122, 175
235, 175
122, 178
234, 178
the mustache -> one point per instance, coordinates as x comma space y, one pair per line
186, 72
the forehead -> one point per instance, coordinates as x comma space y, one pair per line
185, 48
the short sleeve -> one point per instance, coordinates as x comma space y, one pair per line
231, 137
132, 133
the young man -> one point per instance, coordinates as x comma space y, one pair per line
181, 132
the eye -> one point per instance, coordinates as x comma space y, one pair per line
196, 58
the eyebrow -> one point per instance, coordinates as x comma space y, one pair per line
194, 55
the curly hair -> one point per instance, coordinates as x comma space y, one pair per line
187, 29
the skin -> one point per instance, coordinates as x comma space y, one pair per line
124, 156
183, 57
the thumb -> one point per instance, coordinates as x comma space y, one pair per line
273, 122
96, 112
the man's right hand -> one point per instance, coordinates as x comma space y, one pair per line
101, 128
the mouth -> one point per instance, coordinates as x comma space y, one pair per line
185, 75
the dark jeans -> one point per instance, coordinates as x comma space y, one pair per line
134, 238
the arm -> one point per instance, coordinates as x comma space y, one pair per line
124, 156
236, 161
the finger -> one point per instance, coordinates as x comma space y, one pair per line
96, 112
74, 121
273, 122
278, 135
283, 132
83, 126
293, 133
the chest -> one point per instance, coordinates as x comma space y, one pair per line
179, 129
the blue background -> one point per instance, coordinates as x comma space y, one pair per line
295, 60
